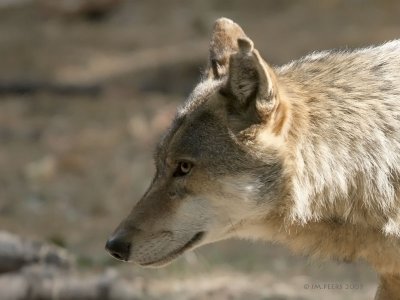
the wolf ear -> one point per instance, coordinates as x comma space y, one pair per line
251, 82
224, 42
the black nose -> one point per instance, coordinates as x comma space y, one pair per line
119, 248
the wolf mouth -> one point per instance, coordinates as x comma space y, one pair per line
175, 253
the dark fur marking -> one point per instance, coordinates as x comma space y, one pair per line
378, 67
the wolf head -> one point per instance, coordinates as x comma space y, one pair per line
220, 166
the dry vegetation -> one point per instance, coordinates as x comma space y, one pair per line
83, 99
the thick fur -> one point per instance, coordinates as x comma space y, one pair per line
307, 154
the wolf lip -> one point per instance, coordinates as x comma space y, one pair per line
175, 253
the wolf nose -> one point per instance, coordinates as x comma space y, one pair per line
118, 248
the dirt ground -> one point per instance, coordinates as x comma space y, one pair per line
83, 100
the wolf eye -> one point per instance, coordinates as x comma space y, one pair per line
183, 169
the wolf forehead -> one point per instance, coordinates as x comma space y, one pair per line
197, 124
201, 131
200, 95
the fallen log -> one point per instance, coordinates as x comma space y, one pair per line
16, 253
39, 282
39, 271
102, 68
22, 87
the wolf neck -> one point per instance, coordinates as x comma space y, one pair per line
344, 161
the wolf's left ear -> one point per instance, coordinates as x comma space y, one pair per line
224, 42
251, 82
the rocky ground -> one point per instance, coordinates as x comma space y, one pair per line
36, 270
84, 96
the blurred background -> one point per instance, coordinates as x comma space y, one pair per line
86, 89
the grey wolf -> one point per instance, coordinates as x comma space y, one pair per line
306, 154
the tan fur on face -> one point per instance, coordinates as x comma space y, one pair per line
307, 154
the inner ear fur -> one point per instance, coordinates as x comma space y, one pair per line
251, 82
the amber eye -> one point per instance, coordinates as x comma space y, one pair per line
183, 168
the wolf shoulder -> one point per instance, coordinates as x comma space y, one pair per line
350, 70
345, 88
